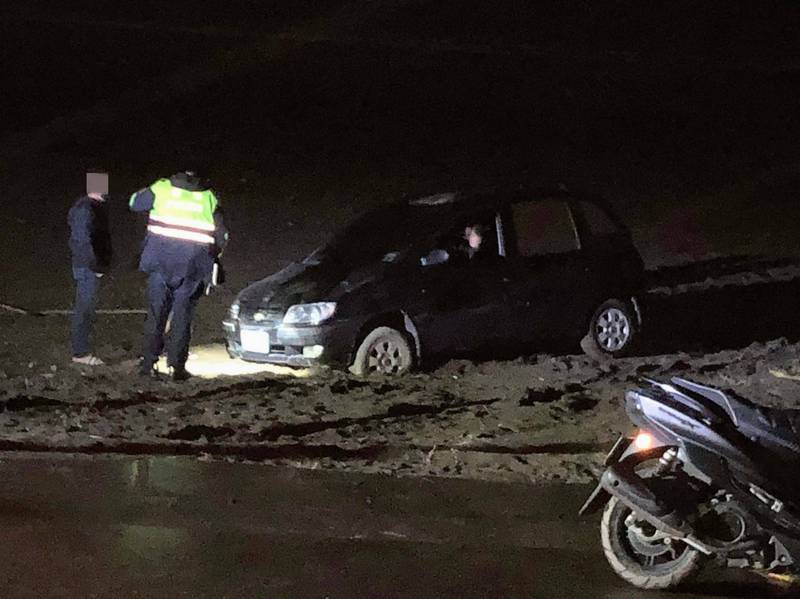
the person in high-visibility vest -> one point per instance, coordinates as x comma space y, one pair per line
185, 234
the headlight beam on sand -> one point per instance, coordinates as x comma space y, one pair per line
212, 361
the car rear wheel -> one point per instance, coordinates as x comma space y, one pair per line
611, 331
383, 351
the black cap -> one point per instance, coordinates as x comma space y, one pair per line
189, 180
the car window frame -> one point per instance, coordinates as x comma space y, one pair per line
501, 234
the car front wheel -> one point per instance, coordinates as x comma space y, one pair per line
612, 330
383, 351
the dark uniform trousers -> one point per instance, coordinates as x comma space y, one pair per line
86, 284
178, 296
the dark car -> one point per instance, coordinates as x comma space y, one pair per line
444, 275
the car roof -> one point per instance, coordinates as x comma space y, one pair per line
457, 204
458, 201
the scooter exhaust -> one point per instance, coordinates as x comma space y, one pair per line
624, 484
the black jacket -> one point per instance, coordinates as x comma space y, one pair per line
89, 237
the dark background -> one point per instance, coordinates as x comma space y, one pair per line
683, 115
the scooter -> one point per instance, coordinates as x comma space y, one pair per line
710, 477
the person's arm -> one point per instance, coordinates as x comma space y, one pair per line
221, 234
81, 226
142, 200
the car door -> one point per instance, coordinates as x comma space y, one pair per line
547, 270
467, 298
614, 267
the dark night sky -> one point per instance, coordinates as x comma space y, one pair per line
337, 105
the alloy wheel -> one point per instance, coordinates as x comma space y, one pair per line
612, 329
386, 357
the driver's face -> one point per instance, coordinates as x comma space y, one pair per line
473, 237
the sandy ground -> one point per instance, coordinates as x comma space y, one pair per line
319, 113
536, 418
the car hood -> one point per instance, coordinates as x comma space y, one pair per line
301, 283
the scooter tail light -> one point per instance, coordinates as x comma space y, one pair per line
643, 441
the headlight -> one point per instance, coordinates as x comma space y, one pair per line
311, 314
233, 311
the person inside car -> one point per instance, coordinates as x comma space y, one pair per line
473, 235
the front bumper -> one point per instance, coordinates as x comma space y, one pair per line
329, 344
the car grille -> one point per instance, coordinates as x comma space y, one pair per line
272, 318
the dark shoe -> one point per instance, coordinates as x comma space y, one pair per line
148, 371
180, 374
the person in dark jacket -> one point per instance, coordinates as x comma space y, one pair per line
90, 246
185, 234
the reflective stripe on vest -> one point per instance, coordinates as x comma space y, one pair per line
182, 222
183, 234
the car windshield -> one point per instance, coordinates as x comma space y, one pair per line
382, 234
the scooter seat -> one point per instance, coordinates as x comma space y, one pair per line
773, 428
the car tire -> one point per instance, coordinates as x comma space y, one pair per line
383, 351
612, 331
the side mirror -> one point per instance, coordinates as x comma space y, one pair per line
434, 257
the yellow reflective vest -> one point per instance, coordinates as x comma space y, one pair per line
182, 214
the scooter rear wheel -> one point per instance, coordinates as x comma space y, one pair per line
641, 555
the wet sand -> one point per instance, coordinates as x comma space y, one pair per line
173, 527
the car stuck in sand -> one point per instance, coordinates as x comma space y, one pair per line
448, 275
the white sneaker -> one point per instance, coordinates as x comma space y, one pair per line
88, 360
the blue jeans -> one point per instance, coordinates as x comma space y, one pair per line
86, 286
164, 296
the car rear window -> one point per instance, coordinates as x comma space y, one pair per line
544, 227
597, 220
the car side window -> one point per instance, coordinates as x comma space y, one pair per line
544, 227
472, 237
597, 220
